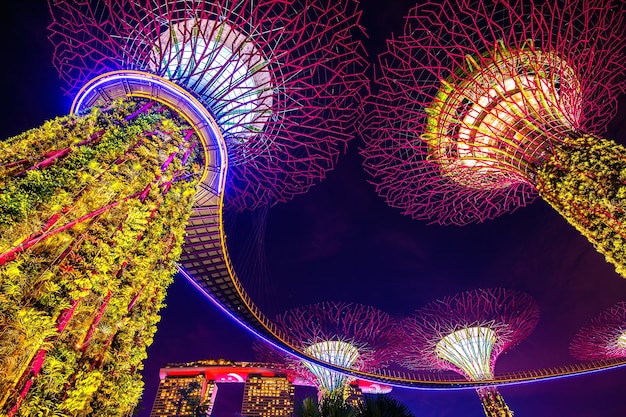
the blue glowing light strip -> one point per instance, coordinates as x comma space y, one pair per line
387, 380
174, 96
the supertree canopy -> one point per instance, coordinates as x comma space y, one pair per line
466, 333
344, 334
603, 338
94, 206
281, 78
483, 105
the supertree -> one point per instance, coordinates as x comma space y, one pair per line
604, 337
281, 78
484, 105
466, 333
94, 205
349, 335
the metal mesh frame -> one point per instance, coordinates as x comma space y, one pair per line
437, 41
372, 332
310, 63
511, 316
598, 340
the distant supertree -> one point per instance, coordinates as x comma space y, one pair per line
344, 334
604, 337
466, 333
281, 78
484, 105
94, 206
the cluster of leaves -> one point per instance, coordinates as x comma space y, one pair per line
89, 295
493, 403
335, 406
585, 181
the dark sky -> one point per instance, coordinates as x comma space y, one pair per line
341, 242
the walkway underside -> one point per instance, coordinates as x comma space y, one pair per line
205, 260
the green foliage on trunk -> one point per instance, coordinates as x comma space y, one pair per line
89, 295
585, 181
493, 403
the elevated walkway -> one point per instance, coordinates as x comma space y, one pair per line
205, 260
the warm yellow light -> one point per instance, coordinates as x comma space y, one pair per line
469, 350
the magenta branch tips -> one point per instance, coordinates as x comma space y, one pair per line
466, 333
476, 94
483, 106
345, 334
282, 79
604, 337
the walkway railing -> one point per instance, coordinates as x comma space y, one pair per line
205, 260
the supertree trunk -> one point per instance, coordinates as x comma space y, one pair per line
584, 179
493, 403
92, 217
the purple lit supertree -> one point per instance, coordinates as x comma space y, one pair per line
604, 337
344, 334
281, 78
484, 105
466, 333
95, 206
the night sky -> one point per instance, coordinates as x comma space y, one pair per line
342, 242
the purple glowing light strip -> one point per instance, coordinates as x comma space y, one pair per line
228, 313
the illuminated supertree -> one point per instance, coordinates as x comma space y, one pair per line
603, 338
94, 206
466, 333
344, 334
484, 105
281, 78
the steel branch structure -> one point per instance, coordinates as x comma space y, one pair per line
604, 337
347, 335
142, 162
476, 95
281, 78
466, 333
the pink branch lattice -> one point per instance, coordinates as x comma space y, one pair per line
537, 71
604, 337
282, 78
372, 332
510, 315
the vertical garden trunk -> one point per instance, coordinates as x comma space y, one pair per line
92, 208
585, 181
493, 403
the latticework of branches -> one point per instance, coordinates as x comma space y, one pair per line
371, 331
282, 78
510, 314
567, 57
600, 339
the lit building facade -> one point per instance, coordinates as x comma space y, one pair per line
267, 396
191, 389
354, 394
184, 396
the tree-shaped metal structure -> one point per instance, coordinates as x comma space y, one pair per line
604, 337
282, 79
349, 335
466, 333
98, 206
483, 105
